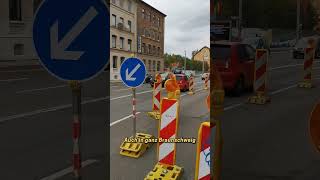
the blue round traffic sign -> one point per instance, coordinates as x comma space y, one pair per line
133, 72
71, 37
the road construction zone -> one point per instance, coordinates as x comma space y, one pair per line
160, 140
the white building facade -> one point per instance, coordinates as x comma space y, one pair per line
16, 19
123, 38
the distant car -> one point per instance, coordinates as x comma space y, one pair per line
204, 76
164, 77
299, 48
148, 79
235, 62
183, 82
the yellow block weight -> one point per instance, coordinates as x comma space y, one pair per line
165, 172
135, 149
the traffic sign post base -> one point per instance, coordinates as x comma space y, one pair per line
155, 115
135, 149
259, 99
165, 172
306, 84
191, 93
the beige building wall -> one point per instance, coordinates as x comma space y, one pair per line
121, 10
203, 55
16, 20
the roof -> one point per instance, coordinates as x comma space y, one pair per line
201, 50
153, 8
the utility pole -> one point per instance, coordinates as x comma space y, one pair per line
185, 61
240, 20
298, 20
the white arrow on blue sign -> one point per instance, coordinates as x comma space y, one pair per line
71, 37
133, 72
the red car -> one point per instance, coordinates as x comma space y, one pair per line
183, 82
235, 62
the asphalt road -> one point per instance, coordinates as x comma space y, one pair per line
268, 142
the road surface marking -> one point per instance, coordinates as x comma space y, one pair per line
287, 66
40, 89
122, 119
129, 95
12, 80
125, 89
272, 93
28, 70
68, 170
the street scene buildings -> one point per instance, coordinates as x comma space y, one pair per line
137, 29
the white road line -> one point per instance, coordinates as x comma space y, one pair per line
40, 89
122, 119
287, 66
29, 70
12, 80
129, 95
125, 89
68, 170
272, 93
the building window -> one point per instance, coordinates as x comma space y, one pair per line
158, 22
144, 62
142, 13
149, 49
121, 20
149, 17
115, 62
129, 6
114, 41
18, 49
121, 3
114, 20
15, 10
122, 59
158, 66
129, 45
36, 4
129, 25
154, 66
143, 48
149, 62
154, 50
121, 42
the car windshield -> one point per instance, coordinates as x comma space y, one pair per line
302, 43
179, 78
221, 52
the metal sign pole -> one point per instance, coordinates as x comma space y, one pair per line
76, 108
134, 111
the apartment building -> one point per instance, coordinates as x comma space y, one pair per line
123, 36
202, 55
150, 33
16, 19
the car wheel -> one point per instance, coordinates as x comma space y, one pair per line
239, 87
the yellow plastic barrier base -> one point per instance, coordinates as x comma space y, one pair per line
307, 85
191, 93
259, 100
165, 172
135, 149
155, 115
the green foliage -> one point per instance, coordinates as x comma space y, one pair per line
170, 59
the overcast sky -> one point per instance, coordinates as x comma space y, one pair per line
187, 25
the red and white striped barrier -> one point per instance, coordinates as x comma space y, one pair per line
260, 74
308, 62
191, 85
206, 82
203, 152
168, 130
156, 96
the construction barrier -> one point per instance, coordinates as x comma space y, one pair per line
260, 78
206, 83
191, 85
203, 160
156, 99
307, 68
314, 127
166, 169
